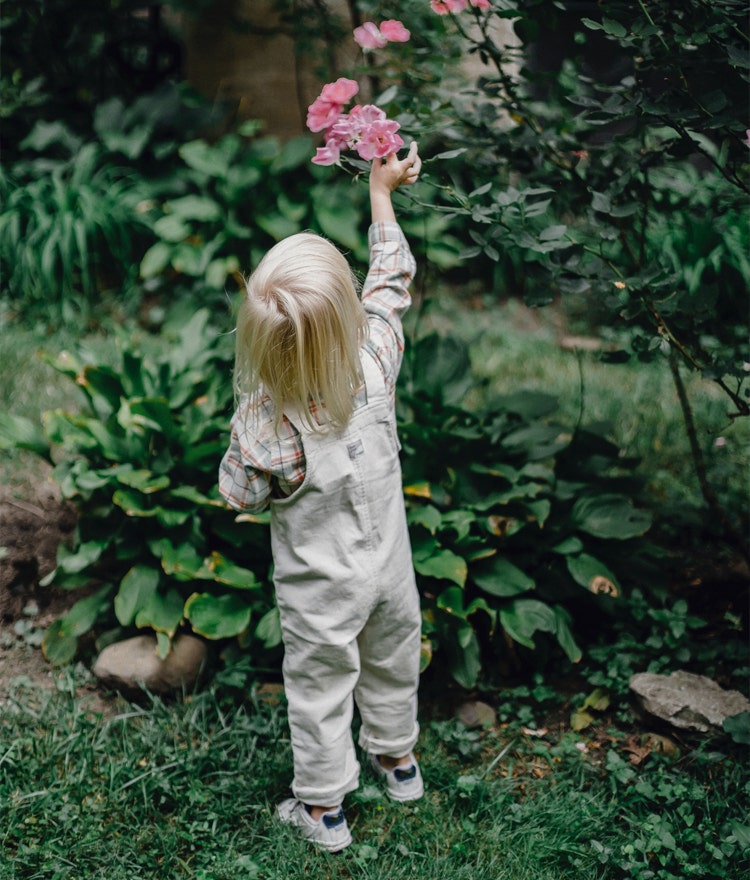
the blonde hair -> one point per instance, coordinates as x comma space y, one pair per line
299, 330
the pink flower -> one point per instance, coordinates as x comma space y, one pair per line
746, 142
443, 7
366, 130
326, 155
322, 114
328, 106
368, 36
394, 31
341, 91
379, 139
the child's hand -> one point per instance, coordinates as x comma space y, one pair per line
388, 174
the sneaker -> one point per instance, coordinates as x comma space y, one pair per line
404, 783
330, 832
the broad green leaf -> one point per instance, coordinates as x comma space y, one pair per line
268, 629
58, 646
217, 617
443, 564
277, 226
144, 481
133, 503
182, 561
427, 516
84, 614
172, 228
452, 602
84, 556
521, 618
226, 572
610, 516
295, 152
592, 574
18, 432
192, 207
103, 384
738, 727
569, 546
136, 589
552, 233
503, 579
465, 663
162, 613
155, 260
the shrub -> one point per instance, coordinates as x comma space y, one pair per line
518, 526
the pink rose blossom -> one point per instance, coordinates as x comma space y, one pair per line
328, 106
366, 130
394, 31
746, 142
322, 114
379, 139
368, 36
443, 7
341, 91
480, 4
326, 155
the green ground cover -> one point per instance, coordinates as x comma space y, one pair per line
187, 790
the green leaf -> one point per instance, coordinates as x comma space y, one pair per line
443, 564
522, 618
295, 152
155, 260
162, 613
58, 646
427, 516
592, 574
217, 617
135, 592
194, 207
568, 546
144, 481
226, 572
133, 503
614, 28
182, 561
85, 613
465, 662
552, 233
269, 628
738, 727
84, 556
18, 432
504, 579
610, 516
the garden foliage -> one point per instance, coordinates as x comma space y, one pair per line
622, 189
517, 524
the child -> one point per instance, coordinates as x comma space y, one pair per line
314, 437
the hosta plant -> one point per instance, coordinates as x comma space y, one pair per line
139, 462
520, 528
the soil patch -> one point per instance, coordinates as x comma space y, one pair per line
31, 529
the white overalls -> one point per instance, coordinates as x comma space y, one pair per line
345, 588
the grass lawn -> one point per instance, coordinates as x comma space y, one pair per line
187, 790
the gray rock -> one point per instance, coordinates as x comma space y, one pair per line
688, 701
476, 714
133, 663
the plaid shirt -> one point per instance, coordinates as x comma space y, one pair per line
265, 464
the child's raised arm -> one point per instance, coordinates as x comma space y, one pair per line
388, 174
